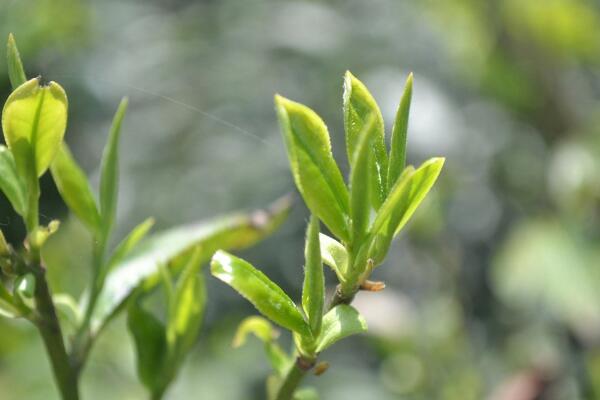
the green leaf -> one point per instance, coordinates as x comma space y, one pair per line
406, 195
340, 322
34, 120
315, 172
151, 346
129, 242
306, 394
334, 254
187, 309
358, 106
264, 330
266, 296
360, 210
313, 290
258, 326
10, 183
16, 73
109, 178
142, 264
7, 307
74, 188
399, 134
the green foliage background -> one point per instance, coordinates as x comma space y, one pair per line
496, 279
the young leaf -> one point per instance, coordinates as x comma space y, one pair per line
266, 296
262, 329
142, 264
74, 188
10, 182
109, 178
34, 120
129, 243
360, 210
7, 307
399, 135
313, 290
334, 255
315, 172
342, 321
150, 343
16, 73
187, 310
358, 106
406, 195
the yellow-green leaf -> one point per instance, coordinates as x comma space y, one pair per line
10, 183
399, 135
313, 290
16, 73
34, 120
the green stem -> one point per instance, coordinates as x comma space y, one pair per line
293, 378
341, 296
65, 375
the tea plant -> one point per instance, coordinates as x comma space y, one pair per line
363, 218
34, 121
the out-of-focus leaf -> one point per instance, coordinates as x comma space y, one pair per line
10, 183
342, 321
7, 307
334, 255
315, 172
74, 188
67, 307
313, 290
399, 135
360, 176
187, 309
264, 294
151, 346
34, 120
359, 105
129, 243
109, 178
16, 73
141, 265
264, 330
306, 394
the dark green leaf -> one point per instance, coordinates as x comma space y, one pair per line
315, 172
142, 265
151, 345
313, 290
359, 105
10, 183
34, 120
74, 188
399, 135
109, 178
16, 73
266, 296
340, 322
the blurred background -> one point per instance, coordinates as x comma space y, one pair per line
493, 291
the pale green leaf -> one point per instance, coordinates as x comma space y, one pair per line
16, 73
399, 135
315, 172
10, 183
342, 321
34, 120
74, 188
359, 105
313, 290
334, 255
264, 294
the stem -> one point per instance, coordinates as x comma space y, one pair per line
293, 378
65, 375
341, 297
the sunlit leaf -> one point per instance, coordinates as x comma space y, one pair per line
16, 73
359, 105
34, 120
315, 172
399, 135
334, 254
313, 290
142, 264
74, 188
342, 321
264, 294
109, 178
10, 183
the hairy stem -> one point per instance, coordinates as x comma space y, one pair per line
47, 323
